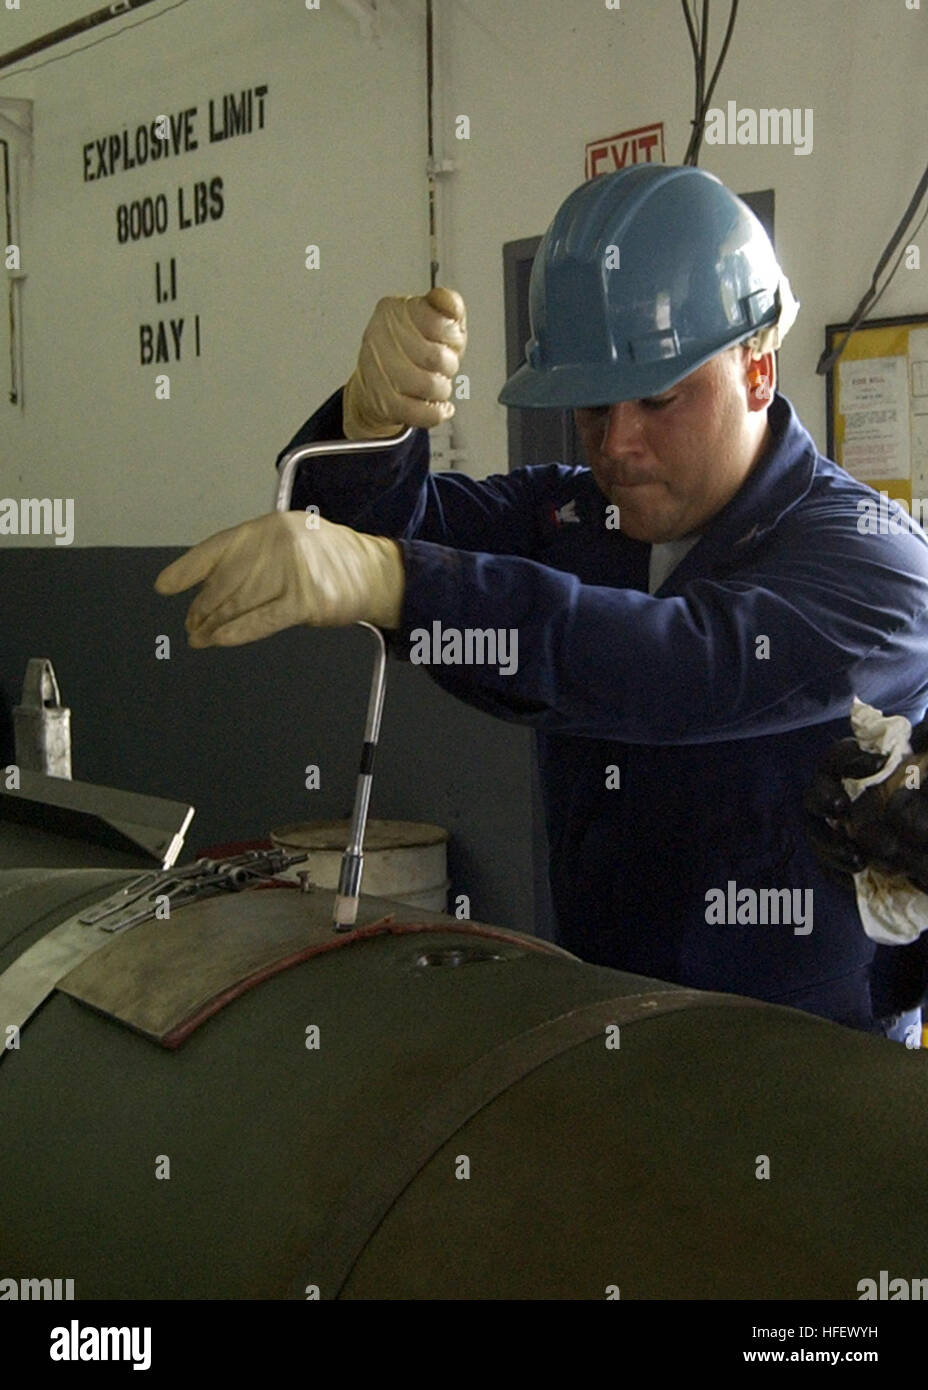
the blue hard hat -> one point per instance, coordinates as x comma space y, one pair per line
642, 276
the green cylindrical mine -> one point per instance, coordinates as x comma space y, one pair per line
235, 1103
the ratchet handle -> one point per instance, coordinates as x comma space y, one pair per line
352, 866
291, 460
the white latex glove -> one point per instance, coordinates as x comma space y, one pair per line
278, 571
410, 354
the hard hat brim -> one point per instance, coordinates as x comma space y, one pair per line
577, 385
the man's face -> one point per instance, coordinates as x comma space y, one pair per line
671, 462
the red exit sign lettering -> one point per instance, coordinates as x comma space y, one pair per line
642, 146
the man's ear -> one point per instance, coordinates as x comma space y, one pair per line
761, 377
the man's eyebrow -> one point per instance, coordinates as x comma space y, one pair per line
607, 405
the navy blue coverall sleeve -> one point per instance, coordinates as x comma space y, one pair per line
738, 659
782, 641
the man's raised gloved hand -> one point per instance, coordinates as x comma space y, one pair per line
285, 569
409, 357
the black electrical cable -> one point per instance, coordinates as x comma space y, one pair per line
694, 44
703, 48
732, 16
14, 385
889, 278
66, 31
698, 42
700, 46
828, 359
694, 41
701, 78
430, 99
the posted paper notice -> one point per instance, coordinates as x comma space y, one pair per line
874, 403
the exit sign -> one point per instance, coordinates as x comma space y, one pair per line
645, 145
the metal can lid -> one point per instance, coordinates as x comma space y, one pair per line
379, 834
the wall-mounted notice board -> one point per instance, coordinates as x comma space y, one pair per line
878, 405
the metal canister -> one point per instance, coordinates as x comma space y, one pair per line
41, 724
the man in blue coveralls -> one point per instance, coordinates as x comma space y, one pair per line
694, 611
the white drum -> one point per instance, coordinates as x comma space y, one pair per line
403, 860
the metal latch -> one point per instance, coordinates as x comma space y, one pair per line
142, 898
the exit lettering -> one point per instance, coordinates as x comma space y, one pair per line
644, 145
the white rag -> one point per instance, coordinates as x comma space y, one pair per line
892, 911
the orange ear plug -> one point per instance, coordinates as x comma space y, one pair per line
759, 383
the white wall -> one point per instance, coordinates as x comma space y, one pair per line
341, 163
338, 164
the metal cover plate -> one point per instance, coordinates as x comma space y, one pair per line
142, 829
164, 979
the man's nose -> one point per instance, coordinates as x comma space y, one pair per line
622, 428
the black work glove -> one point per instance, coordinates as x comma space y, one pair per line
827, 804
885, 829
